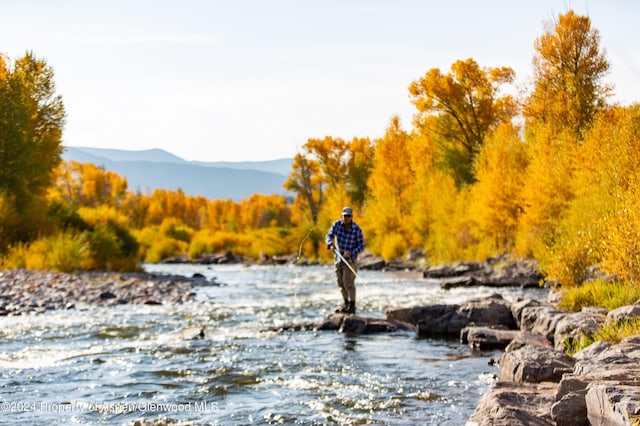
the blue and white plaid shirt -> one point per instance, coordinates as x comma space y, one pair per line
348, 240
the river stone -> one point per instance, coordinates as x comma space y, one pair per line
534, 364
513, 404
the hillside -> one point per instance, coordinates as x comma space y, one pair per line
158, 169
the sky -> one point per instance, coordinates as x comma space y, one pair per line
253, 80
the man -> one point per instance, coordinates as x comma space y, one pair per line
345, 237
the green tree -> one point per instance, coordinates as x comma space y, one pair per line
32, 117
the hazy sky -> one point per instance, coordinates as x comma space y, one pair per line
253, 80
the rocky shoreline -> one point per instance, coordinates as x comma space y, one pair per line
536, 383
27, 291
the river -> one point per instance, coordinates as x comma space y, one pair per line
125, 365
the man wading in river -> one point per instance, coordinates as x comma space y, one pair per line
346, 241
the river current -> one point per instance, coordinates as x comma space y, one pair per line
126, 365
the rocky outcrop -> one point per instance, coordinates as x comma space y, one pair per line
537, 383
24, 291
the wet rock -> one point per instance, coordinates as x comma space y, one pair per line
350, 324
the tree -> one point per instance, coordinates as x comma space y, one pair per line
305, 180
567, 96
568, 70
32, 117
460, 109
391, 185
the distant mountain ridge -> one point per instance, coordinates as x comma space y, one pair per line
152, 169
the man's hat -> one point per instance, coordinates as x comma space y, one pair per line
347, 211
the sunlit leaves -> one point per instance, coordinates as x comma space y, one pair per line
460, 109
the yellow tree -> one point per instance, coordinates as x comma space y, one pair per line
460, 109
391, 185
496, 196
569, 66
568, 93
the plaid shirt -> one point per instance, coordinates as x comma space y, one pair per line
348, 240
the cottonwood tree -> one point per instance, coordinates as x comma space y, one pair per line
460, 109
32, 117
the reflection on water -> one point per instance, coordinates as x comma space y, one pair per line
126, 364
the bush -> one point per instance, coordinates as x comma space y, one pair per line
66, 252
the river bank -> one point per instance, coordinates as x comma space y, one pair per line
27, 291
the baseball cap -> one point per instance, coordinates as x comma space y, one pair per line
347, 211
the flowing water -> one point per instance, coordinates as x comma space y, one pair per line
125, 364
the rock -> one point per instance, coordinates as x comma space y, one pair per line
449, 320
488, 311
575, 325
192, 333
465, 281
524, 338
350, 324
500, 272
611, 404
519, 306
623, 313
513, 404
592, 350
541, 319
534, 364
439, 320
484, 338
23, 291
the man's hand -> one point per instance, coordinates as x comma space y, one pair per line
330, 246
347, 255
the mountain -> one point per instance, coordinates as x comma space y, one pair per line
158, 169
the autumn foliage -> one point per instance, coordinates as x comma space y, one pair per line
552, 174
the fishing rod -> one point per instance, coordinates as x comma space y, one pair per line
336, 250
